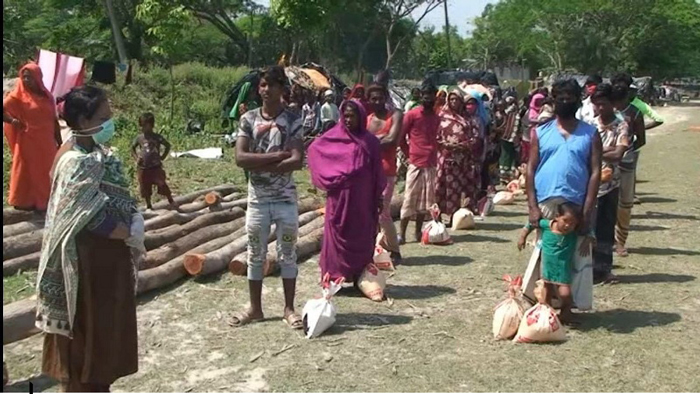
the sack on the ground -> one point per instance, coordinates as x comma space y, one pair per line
319, 314
435, 232
382, 259
582, 280
509, 312
503, 198
485, 206
540, 323
514, 187
372, 283
463, 219
522, 182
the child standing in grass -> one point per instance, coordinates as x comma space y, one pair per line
558, 248
146, 150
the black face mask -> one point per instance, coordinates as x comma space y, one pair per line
566, 110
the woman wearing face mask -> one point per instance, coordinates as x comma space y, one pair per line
32, 132
86, 282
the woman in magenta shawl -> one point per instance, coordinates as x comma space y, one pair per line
345, 162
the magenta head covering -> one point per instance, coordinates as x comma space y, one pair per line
534, 108
340, 152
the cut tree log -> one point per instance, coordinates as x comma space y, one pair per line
170, 218
180, 246
232, 197
155, 240
197, 264
238, 264
18, 320
22, 228
241, 203
212, 198
307, 246
13, 216
24, 263
188, 198
148, 215
22, 244
174, 269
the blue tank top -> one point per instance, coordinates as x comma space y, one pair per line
564, 167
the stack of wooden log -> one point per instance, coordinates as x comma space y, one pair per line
206, 237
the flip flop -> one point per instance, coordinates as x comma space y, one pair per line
611, 280
293, 321
242, 319
622, 252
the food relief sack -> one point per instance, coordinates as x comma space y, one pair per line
463, 219
318, 314
540, 323
372, 283
503, 198
509, 312
435, 232
382, 258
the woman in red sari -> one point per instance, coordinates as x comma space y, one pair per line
458, 170
33, 136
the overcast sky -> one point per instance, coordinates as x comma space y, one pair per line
461, 13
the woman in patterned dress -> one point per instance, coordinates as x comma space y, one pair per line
458, 141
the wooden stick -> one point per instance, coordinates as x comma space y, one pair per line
22, 244
18, 320
22, 228
24, 263
180, 246
155, 240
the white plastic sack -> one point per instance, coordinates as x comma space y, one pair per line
463, 219
206, 153
318, 314
435, 232
509, 312
503, 198
540, 323
485, 206
582, 279
382, 259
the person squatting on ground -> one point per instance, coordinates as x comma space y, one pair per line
420, 126
146, 150
386, 126
270, 147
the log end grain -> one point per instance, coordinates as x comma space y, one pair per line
212, 198
237, 267
194, 263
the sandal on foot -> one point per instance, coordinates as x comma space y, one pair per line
611, 280
622, 252
293, 321
242, 318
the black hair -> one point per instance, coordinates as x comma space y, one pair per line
603, 91
274, 75
428, 87
415, 91
82, 101
147, 117
622, 79
569, 86
594, 79
567, 207
375, 87
620, 92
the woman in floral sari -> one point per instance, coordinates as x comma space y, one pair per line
86, 283
458, 169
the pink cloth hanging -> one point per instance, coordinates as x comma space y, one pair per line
61, 72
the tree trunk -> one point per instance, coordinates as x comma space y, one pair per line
22, 244
307, 223
188, 198
24, 263
161, 238
197, 264
183, 245
170, 218
13, 216
21, 228
18, 320
232, 197
174, 269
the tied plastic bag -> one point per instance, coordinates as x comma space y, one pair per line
382, 259
540, 323
435, 232
509, 312
485, 206
503, 198
318, 314
463, 219
372, 283
514, 187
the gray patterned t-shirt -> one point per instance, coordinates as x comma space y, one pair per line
267, 136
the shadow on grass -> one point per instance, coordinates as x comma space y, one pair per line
624, 321
361, 321
508, 214
664, 215
638, 227
410, 292
664, 251
656, 200
39, 383
656, 278
151, 295
499, 226
451, 261
478, 238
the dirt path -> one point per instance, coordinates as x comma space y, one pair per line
436, 336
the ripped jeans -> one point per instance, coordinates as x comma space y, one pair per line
259, 219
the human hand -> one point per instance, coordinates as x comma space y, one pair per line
137, 234
283, 155
535, 216
521, 242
